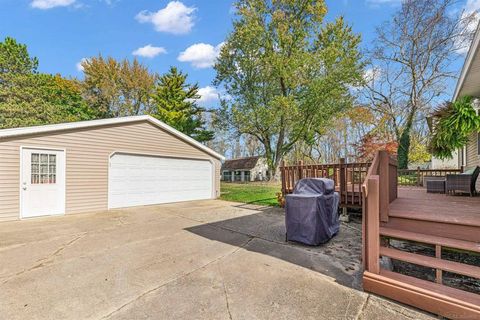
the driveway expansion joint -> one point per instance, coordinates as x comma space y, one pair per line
176, 279
44, 261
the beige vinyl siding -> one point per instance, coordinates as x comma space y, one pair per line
473, 159
87, 157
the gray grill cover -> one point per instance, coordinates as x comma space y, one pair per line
311, 212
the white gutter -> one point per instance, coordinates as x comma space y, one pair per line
472, 52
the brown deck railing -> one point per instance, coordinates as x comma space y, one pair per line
348, 178
379, 190
415, 177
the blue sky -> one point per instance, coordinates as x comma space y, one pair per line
161, 33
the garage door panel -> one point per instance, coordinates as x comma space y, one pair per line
142, 180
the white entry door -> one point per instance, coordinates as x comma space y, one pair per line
136, 180
42, 182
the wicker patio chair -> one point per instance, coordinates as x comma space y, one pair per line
463, 182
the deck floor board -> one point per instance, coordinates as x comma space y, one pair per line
416, 203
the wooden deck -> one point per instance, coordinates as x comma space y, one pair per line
348, 178
441, 215
410, 213
416, 203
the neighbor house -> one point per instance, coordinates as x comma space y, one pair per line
469, 85
101, 164
440, 164
245, 169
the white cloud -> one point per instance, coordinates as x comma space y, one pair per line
149, 51
372, 74
470, 16
201, 55
175, 18
79, 64
472, 5
207, 94
49, 4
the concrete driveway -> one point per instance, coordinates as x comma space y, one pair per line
195, 260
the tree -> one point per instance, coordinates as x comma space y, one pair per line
117, 88
340, 139
14, 58
174, 102
411, 63
37, 99
30, 98
286, 72
371, 143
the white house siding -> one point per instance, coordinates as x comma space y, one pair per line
473, 157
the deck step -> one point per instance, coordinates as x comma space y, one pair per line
445, 265
433, 297
470, 233
429, 239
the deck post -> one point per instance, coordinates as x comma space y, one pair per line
343, 182
438, 272
384, 185
418, 177
300, 169
283, 177
373, 226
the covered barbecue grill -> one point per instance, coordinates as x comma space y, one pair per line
311, 212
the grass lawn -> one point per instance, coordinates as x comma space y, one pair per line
255, 193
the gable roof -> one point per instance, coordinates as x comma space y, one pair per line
17, 132
467, 84
240, 163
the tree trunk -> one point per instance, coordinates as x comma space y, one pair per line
404, 143
403, 147
273, 168
273, 172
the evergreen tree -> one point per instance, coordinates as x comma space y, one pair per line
14, 58
175, 103
37, 99
29, 98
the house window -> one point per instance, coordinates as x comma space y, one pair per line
478, 143
43, 168
247, 176
227, 176
238, 176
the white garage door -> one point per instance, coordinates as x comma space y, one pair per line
142, 180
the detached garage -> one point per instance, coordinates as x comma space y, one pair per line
101, 164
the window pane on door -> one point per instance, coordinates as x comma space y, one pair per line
43, 158
35, 179
43, 168
44, 178
35, 168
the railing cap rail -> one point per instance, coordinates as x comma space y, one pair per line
360, 164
